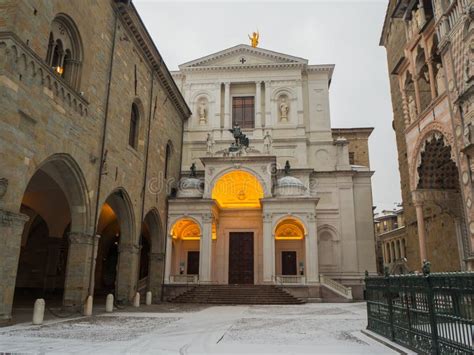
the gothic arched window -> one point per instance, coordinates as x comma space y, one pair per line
134, 123
65, 50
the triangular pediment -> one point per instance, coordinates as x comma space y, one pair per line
243, 55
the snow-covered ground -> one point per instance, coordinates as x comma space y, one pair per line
311, 328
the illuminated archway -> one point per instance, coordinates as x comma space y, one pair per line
186, 229
238, 189
289, 229
290, 252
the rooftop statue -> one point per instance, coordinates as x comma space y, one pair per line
254, 39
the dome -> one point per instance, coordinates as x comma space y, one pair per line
290, 186
190, 187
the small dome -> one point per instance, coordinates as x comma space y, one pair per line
289, 181
190, 187
290, 186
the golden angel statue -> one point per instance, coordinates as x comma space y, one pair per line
254, 39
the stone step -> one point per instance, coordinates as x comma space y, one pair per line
237, 294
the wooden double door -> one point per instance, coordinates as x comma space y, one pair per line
241, 258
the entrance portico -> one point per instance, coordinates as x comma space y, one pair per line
239, 229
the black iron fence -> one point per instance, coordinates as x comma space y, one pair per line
430, 314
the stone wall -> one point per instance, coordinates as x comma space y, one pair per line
358, 139
44, 117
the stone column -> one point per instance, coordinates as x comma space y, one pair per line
168, 257
127, 273
258, 110
81, 253
205, 254
227, 121
268, 250
384, 253
216, 121
268, 105
311, 251
417, 93
432, 80
421, 228
155, 275
11, 230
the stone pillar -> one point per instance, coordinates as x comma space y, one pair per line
311, 251
268, 105
268, 250
417, 93
421, 229
168, 257
384, 254
205, 253
227, 119
11, 230
258, 110
127, 273
216, 121
155, 275
82, 248
432, 80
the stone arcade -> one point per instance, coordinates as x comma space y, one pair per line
293, 208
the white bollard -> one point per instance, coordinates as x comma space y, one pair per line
38, 311
88, 306
136, 300
109, 303
148, 298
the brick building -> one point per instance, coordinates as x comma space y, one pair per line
430, 60
91, 126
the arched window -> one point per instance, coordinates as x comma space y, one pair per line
134, 122
167, 159
64, 54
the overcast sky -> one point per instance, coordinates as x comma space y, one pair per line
344, 33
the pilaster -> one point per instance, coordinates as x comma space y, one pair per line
268, 249
205, 255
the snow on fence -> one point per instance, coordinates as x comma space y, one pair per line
431, 313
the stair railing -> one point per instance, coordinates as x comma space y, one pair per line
336, 287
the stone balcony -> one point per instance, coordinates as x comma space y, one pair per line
20, 64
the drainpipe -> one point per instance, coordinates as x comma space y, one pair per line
167, 207
147, 149
101, 162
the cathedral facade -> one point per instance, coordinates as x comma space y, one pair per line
269, 192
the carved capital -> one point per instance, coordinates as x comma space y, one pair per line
12, 219
311, 217
207, 217
129, 248
267, 217
157, 256
82, 238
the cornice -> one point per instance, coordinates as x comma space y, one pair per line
132, 20
243, 48
240, 67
